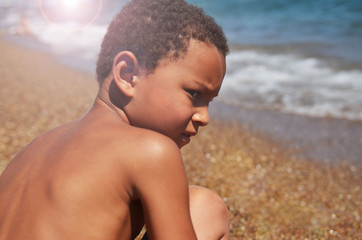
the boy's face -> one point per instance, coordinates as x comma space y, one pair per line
174, 99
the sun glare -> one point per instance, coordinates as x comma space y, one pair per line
70, 4
80, 12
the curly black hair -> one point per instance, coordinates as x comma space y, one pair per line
155, 29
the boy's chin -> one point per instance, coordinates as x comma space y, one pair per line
184, 140
180, 141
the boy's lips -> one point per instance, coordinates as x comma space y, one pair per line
186, 137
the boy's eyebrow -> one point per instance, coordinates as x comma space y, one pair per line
209, 88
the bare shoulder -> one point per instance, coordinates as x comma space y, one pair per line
153, 147
148, 153
131, 152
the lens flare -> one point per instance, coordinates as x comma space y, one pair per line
69, 6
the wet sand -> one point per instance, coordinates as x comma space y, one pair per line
271, 193
328, 140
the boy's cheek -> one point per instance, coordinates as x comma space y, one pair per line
177, 120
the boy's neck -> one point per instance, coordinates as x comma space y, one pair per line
109, 96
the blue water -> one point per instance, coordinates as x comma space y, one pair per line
295, 56
334, 26
326, 27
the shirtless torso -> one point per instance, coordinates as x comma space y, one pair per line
79, 180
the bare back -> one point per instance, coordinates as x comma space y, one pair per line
70, 181
95, 178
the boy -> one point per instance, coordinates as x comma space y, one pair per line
119, 167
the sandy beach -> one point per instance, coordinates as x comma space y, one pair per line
273, 189
328, 140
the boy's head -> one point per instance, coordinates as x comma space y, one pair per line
157, 29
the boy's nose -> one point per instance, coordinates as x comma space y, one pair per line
201, 116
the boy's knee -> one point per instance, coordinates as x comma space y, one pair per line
204, 199
209, 214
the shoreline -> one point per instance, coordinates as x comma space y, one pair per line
327, 140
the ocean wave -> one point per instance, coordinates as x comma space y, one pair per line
292, 84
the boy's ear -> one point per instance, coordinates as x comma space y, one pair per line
125, 68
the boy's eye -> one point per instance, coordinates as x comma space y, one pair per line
193, 94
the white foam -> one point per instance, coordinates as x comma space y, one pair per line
291, 84
68, 38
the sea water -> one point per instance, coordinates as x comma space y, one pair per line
287, 49
301, 56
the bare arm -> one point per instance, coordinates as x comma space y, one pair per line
161, 183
